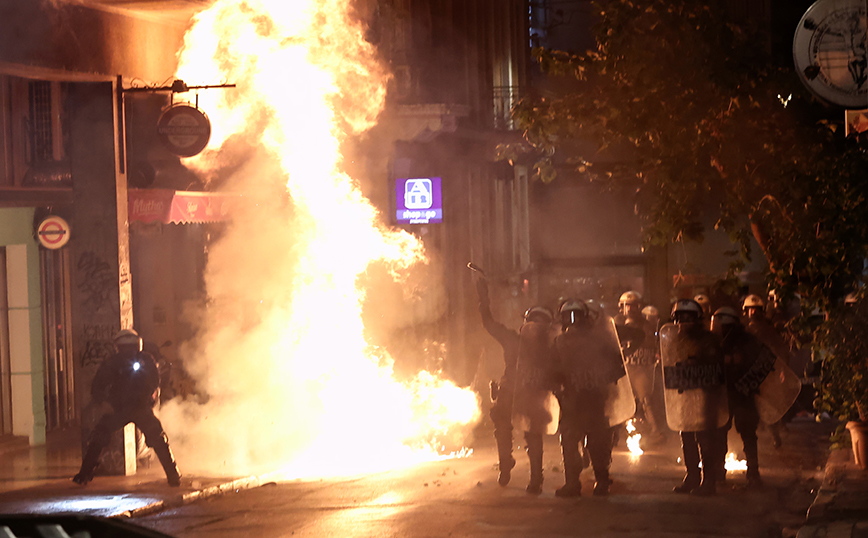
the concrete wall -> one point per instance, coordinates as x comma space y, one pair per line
25, 323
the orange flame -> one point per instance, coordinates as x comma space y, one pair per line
282, 351
633, 439
732, 463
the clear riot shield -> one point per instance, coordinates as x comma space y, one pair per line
592, 361
694, 387
778, 388
641, 360
620, 403
534, 405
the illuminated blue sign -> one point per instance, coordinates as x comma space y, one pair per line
418, 200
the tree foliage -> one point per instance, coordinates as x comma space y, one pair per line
842, 342
689, 117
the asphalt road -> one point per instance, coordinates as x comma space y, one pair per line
462, 498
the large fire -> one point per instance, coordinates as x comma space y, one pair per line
293, 377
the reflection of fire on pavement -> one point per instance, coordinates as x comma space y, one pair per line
633, 438
733, 464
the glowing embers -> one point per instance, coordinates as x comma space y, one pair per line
633, 439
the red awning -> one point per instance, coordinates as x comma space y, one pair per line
177, 207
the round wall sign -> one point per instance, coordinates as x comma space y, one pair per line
184, 130
830, 52
53, 232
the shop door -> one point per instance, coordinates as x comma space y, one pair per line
57, 339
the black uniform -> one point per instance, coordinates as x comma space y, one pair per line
768, 334
744, 351
701, 348
130, 384
523, 390
585, 381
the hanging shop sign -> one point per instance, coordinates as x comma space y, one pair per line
178, 207
184, 130
831, 54
418, 200
53, 232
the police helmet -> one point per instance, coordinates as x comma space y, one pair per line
629, 297
686, 311
725, 316
650, 311
752, 301
573, 312
538, 314
850, 299
702, 300
128, 337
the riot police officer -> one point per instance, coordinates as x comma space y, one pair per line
129, 381
760, 326
524, 389
746, 359
695, 394
594, 394
638, 340
652, 316
703, 301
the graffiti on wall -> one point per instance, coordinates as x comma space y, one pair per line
96, 281
98, 344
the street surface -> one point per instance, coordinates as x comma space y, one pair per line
462, 498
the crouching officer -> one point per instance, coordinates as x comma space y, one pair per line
748, 362
695, 394
594, 393
524, 391
129, 381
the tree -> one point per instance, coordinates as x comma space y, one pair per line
703, 127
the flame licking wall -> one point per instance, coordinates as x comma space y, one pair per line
293, 377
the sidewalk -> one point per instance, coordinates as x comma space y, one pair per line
840, 509
38, 480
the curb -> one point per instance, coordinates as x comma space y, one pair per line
834, 471
249, 482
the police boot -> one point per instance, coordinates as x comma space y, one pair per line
573, 466
691, 461
534, 447
753, 475
602, 482
167, 460
599, 443
708, 486
504, 454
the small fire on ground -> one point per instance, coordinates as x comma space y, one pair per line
731, 463
734, 464
633, 438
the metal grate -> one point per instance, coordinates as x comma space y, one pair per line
505, 98
41, 146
